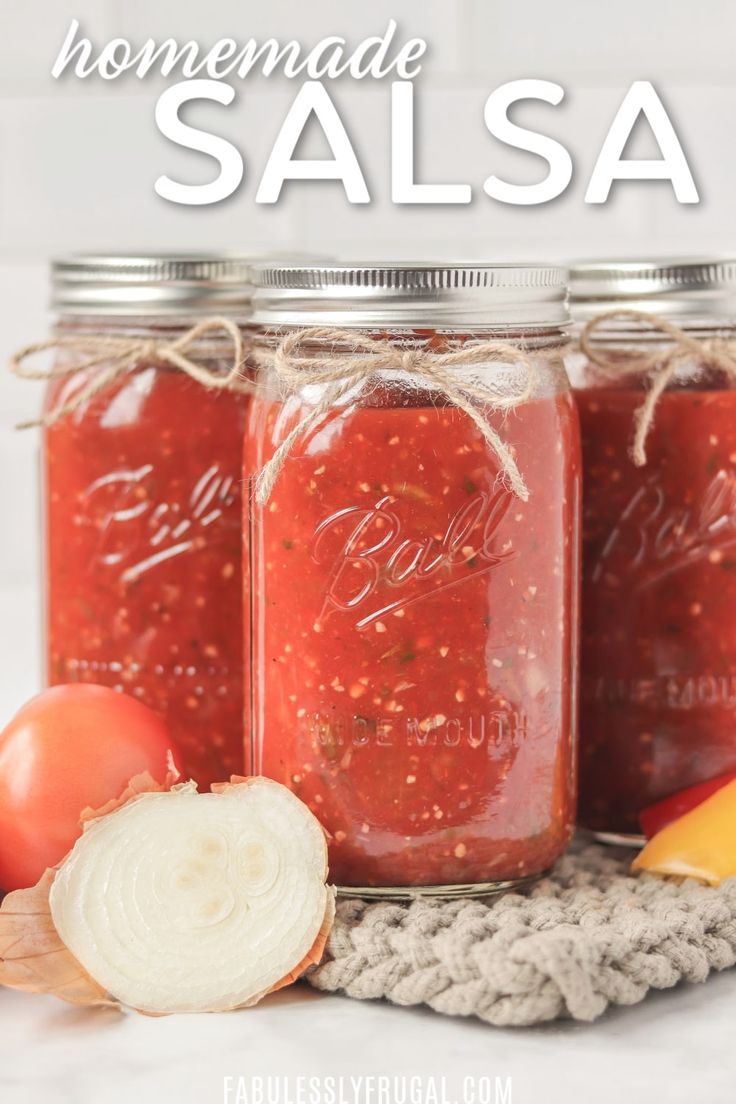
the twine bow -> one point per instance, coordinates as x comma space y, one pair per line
121, 355
365, 356
662, 366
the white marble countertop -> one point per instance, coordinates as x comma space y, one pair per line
676, 1047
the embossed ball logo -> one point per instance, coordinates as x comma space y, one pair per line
380, 566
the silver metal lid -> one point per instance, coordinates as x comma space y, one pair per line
684, 287
410, 295
161, 284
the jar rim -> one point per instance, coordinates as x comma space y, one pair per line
151, 283
421, 294
693, 287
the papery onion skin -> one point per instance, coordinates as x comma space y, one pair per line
32, 956
185, 902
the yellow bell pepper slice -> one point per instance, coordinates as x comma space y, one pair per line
701, 844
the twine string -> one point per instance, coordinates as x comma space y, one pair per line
117, 356
297, 366
660, 366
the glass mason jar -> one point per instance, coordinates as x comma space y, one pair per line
414, 618
658, 693
143, 499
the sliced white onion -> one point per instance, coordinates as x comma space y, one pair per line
185, 902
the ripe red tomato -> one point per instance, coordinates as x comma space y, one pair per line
69, 748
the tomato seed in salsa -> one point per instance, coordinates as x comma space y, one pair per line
414, 637
144, 568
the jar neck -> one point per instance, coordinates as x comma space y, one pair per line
628, 332
505, 362
438, 340
143, 330
627, 352
140, 326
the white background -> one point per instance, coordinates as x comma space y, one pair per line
77, 166
78, 160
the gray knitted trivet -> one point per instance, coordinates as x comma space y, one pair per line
587, 936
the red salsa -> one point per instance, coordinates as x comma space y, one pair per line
414, 635
658, 709
143, 557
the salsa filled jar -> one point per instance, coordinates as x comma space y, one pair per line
655, 383
143, 426
413, 550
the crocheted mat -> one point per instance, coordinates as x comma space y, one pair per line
588, 936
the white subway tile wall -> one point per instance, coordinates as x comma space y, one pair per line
78, 161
